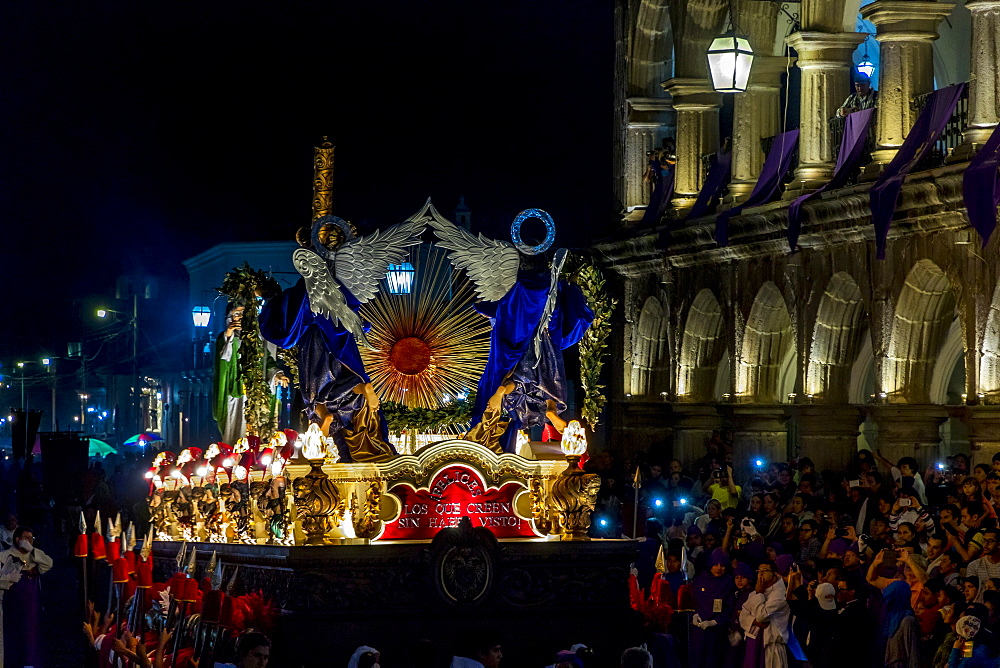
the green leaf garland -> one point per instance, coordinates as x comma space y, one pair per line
594, 344
455, 413
245, 286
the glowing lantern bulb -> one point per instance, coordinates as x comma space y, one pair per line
574, 439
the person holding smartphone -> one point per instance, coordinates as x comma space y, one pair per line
723, 489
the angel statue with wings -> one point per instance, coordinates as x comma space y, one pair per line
535, 317
319, 315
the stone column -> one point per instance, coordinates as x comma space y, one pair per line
828, 434
756, 114
984, 83
649, 121
908, 430
906, 32
983, 423
760, 433
697, 106
693, 426
825, 63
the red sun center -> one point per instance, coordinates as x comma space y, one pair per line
410, 356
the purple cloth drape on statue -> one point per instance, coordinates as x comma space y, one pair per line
330, 365
515, 320
924, 133
658, 201
981, 187
852, 148
22, 622
776, 165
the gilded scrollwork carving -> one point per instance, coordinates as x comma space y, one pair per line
574, 494
366, 518
317, 501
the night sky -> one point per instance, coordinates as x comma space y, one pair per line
135, 135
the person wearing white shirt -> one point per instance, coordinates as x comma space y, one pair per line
765, 618
23, 600
988, 565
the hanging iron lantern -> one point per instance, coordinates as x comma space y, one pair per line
729, 59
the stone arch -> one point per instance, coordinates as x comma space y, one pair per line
702, 346
948, 379
863, 386
989, 361
768, 348
923, 314
650, 348
836, 340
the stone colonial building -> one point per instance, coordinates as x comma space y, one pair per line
826, 349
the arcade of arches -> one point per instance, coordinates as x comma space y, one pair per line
828, 349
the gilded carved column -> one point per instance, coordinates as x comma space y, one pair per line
322, 180
697, 106
906, 32
984, 83
825, 64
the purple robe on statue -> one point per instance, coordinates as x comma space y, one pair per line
330, 365
515, 320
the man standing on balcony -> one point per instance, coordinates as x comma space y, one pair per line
864, 97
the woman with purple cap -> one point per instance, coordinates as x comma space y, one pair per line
743, 578
713, 597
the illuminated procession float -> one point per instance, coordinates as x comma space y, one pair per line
424, 356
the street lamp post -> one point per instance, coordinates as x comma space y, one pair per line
51, 367
134, 324
20, 365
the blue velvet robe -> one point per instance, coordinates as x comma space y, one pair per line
330, 365
515, 318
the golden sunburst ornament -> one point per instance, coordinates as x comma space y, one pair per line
430, 343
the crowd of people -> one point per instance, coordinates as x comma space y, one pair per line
887, 563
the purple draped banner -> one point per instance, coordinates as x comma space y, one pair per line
658, 201
776, 165
981, 187
925, 132
852, 147
718, 177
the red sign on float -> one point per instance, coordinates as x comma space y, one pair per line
456, 491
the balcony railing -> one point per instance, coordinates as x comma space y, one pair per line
952, 135
765, 145
837, 124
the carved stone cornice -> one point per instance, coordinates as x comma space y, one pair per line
930, 201
692, 94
